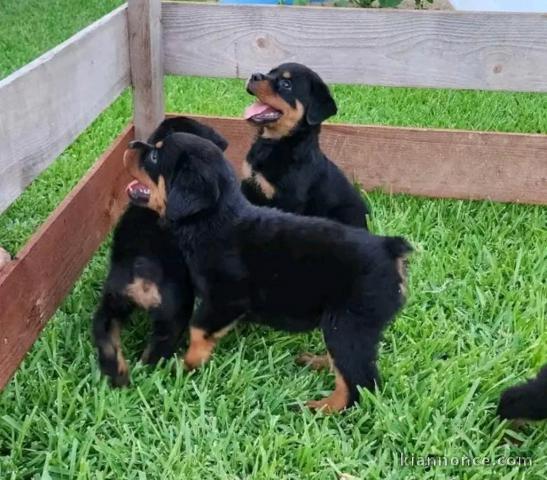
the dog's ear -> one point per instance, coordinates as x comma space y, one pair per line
187, 125
322, 105
191, 192
138, 145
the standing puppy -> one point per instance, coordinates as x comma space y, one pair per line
295, 273
147, 271
285, 167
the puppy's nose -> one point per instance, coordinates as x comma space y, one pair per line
257, 77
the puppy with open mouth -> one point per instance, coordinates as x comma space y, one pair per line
285, 167
146, 272
289, 272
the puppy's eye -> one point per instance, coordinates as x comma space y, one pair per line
153, 157
285, 84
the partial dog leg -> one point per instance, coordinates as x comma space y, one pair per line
355, 215
169, 322
352, 344
315, 362
208, 327
107, 324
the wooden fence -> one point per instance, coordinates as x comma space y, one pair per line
45, 105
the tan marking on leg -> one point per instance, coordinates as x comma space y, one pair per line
200, 349
113, 349
144, 293
315, 362
266, 187
249, 175
246, 171
146, 353
337, 400
123, 368
223, 331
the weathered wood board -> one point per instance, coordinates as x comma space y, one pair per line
445, 49
45, 105
34, 284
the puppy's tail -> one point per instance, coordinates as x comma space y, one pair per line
397, 247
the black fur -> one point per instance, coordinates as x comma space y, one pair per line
527, 401
305, 180
295, 273
143, 248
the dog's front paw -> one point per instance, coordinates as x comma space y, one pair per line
327, 405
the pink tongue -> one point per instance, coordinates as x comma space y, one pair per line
255, 109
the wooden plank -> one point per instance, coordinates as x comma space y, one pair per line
492, 51
503, 167
5, 258
33, 285
45, 105
146, 65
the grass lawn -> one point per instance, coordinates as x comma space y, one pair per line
474, 324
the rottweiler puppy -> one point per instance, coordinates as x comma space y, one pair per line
289, 272
285, 167
146, 271
527, 401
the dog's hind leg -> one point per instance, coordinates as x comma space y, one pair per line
170, 321
107, 324
352, 344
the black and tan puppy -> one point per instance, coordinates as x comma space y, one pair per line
527, 401
292, 272
285, 167
146, 271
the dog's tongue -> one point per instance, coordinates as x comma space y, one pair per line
255, 109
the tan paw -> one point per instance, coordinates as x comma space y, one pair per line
315, 362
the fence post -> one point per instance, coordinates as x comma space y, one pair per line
146, 61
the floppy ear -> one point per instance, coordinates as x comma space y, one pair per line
138, 145
187, 125
322, 105
190, 193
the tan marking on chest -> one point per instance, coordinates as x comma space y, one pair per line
158, 197
144, 293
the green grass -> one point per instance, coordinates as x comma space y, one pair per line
474, 324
